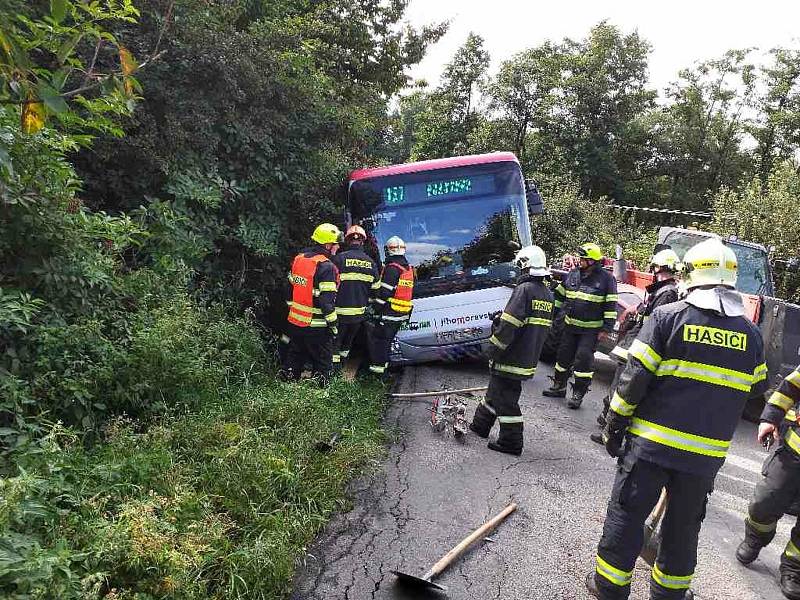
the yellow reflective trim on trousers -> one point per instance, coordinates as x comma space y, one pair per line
319, 323
791, 415
646, 355
509, 420
351, 311
488, 407
357, 277
610, 314
613, 574
560, 369
336, 358
498, 343
583, 374
378, 368
375, 286
330, 318
538, 321
585, 324
327, 286
514, 370
781, 401
619, 406
679, 440
612, 297
576, 295
761, 527
511, 319
285, 339
792, 552
672, 582
792, 440
706, 373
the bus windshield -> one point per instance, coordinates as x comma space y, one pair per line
754, 275
459, 224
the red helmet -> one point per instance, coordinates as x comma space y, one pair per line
356, 231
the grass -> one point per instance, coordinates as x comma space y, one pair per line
216, 504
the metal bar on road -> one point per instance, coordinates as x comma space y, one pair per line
439, 392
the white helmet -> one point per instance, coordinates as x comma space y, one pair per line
665, 259
395, 246
533, 259
710, 263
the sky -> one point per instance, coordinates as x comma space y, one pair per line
680, 31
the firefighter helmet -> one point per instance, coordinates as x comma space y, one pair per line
356, 231
395, 246
710, 263
591, 252
665, 259
327, 234
533, 259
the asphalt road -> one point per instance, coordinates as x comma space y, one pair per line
431, 491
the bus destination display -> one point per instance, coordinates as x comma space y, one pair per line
439, 190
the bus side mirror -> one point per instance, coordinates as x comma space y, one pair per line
535, 202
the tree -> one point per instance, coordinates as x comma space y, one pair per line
444, 127
777, 127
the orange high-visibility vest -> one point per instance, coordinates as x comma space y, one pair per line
401, 299
301, 309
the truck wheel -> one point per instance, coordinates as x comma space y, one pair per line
550, 347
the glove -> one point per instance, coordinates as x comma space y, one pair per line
492, 352
614, 435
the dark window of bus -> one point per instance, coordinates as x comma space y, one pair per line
457, 223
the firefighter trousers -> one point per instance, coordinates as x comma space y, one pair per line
774, 495
636, 491
309, 345
380, 336
576, 352
344, 340
502, 404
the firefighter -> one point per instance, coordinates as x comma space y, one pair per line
588, 299
312, 320
392, 304
664, 290
359, 276
690, 373
779, 488
517, 338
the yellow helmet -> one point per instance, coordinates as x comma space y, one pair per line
590, 251
327, 234
710, 263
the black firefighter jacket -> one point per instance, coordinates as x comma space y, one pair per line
783, 404
689, 374
659, 293
359, 277
588, 298
520, 331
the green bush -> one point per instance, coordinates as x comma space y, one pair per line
214, 504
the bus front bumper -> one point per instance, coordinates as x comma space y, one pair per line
403, 353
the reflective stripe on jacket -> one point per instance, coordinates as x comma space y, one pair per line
313, 281
520, 332
358, 274
783, 406
588, 298
393, 300
689, 374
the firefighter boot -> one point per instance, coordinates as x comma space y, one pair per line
559, 387
748, 551
579, 389
510, 439
483, 420
790, 584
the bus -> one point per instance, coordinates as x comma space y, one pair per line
463, 220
